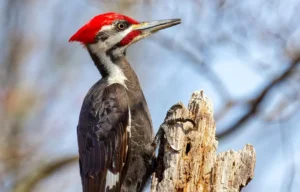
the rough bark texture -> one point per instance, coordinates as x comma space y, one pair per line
187, 159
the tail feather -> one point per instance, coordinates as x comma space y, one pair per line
105, 181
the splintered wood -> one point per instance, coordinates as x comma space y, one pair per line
187, 159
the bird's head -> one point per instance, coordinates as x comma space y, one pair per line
113, 31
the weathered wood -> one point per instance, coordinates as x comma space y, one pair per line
187, 159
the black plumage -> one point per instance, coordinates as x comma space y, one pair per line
106, 142
115, 130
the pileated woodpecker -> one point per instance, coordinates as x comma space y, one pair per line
115, 126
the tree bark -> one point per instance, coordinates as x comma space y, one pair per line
187, 159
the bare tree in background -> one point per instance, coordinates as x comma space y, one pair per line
42, 81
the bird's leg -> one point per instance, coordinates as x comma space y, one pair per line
182, 120
173, 121
169, 120
159, 135
163, 128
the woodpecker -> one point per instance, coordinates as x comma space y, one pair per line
115, 126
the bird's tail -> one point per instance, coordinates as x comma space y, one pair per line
105, 181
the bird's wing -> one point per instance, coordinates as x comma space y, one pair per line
103, 138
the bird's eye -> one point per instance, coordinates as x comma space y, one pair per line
122, 25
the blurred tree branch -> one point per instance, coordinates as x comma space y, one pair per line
37, 67
198, 62
254, 105
27, 183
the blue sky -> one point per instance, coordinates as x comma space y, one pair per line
235, 41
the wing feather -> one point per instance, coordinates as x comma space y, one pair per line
103, 138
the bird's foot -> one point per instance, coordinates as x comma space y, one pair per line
163, 129
182, 120
171, 120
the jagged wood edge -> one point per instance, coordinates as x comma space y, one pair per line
197, 167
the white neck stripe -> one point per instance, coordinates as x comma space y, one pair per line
115, 73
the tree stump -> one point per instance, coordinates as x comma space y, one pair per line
187, 159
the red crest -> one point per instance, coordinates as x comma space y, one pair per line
87, 33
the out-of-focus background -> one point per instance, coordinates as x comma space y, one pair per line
243, 54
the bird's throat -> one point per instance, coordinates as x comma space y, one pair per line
109, 68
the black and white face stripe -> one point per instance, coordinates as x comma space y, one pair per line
109, 36
117, 26
107, 42
102, 36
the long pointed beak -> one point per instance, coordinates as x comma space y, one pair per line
154, 26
